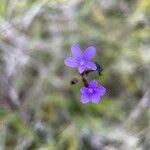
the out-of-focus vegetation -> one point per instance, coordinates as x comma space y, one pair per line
39, 109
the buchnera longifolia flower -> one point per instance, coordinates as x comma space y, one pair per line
81, 60
91, 92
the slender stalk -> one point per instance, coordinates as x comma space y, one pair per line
84, 79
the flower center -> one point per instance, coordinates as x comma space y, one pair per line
90, 90
82, 63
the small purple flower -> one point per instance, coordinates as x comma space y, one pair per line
81, 60
92, 93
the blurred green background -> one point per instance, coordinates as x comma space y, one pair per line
39, 109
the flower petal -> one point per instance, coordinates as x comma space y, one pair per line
83, 90
81, 69
76, 51
91, 65
70, 62
93, 83
84, 99
95, 98
89, 52
101, 90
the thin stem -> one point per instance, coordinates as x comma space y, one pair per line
84, 79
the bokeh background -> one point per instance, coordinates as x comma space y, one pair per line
39, 109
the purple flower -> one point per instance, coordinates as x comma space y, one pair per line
92, 93
81, 60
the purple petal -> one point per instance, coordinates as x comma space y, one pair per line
93, 83
81, 69
89, 52
95, 98
70, 62
101, 90
76, 51
84, 99
83, 90
91, 65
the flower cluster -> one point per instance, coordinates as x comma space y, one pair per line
92, 91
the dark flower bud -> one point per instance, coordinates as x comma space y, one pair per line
74, 81
99, 68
